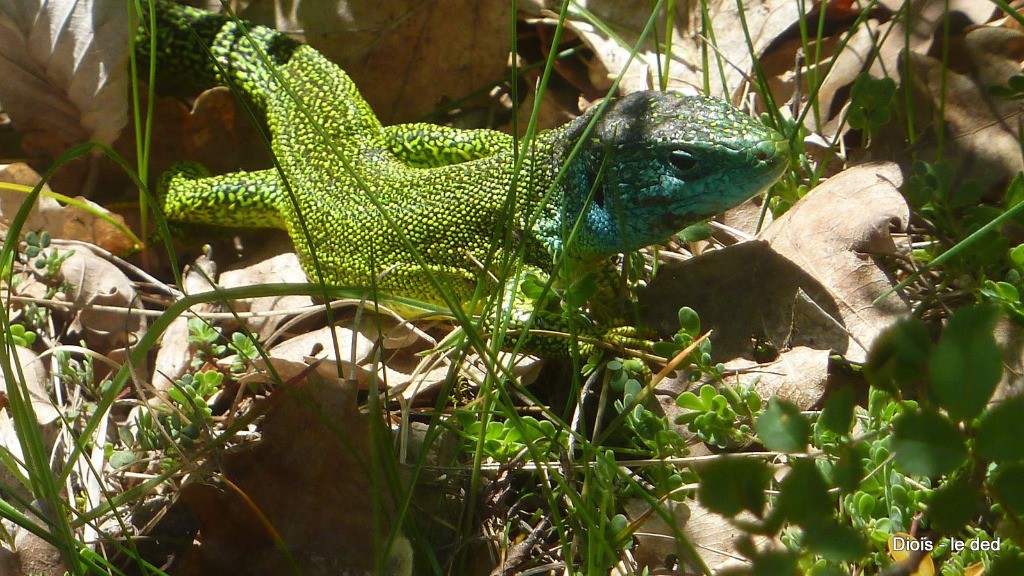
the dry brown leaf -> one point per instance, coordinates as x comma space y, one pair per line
551, 113
834, 93
64, 222
292, 357
610, 54
169, 122
743, 293
765, 20
33, 554
879, 43
927, 27
359, 355
219, 133
656, 545
715, 538
980, 129
93, 281
1010, 337
314, 480
748, 217
976, 569
174, 357
280, 268
833, 234
799, 375
876, 47
63, 65
38, 556
524, 368
406, 58
216, 132
35, 381
10, 562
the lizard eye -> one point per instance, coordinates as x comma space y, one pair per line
682, 160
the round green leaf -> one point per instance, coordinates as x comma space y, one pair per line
730, 485
775, 563
848, 471
690, 401
952, 505
689, 321
1001, 430
966, 365
836, 542
1011, 564
1006, 484
837, 415
899, 355
927, 444
782, 427
822, 568
696, 232
803, 495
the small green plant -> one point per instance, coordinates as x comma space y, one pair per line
944, 468
47, 262
503, 441
207, 339
181, 422
955, 210
22, 336
871, 103
78, 373
1007, 292
802, 176
149, 435
648, 433
721, 418
641, 433
246, 351
700, 365
44, 258
191, 392
613, 527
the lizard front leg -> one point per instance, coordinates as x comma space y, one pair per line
188, 193
550, 323
422, 145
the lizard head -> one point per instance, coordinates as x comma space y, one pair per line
656, 162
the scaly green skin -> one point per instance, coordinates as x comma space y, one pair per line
664, 161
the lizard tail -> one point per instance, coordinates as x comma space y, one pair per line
212, 49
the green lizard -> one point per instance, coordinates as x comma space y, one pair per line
359, 200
